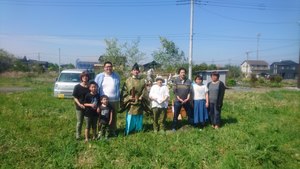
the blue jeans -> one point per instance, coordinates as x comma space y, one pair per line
177, 107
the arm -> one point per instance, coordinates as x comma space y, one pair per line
110, 117
151, 93
221, 94
206, 99
78, 103
189, 95
76, 100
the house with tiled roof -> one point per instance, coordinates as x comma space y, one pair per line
257, 67
287, 69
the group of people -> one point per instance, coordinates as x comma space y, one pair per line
98, 102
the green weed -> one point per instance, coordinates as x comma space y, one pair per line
259, 130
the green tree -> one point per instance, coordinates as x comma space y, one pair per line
6, 60
132, 53
169, 55
202, 66
20, 66
113, 53
212, 67
53, 67
233, 71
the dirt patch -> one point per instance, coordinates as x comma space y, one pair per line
86, 159
13, 89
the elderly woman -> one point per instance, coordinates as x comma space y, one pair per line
159, 95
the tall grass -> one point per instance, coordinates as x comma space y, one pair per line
260, 130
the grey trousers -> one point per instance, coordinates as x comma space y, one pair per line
214, 114
80, 117
116, 106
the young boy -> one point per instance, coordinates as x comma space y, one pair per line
91, 103
105, 117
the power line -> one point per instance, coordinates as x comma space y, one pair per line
90, 3
245, 21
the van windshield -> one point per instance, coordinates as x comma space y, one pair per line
69, 77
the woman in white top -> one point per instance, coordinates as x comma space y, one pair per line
201, 103
159, 95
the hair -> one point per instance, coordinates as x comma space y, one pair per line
107, 62
103, 96
84, 74
215, 74
93, 83
180, 69
198, 76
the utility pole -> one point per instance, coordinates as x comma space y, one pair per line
298, 85
258, 36
247, 54
59, 60
191, 39
39, 58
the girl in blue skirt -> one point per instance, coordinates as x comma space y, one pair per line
200, 93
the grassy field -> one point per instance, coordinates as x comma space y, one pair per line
260, 130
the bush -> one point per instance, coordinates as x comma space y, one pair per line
231, 82
276, 79
261, 80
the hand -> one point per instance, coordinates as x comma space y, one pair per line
206, 105
186, 100
94, 106
82, 106
132, 99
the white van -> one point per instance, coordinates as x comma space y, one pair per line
66, 81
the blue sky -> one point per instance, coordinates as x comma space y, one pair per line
224, 30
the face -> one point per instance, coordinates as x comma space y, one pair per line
182, 74
104, 100
135, 72
93, 88
198, 81
159, 82
85, 79
214, 78
108, 68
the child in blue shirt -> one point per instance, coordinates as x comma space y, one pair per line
91, 103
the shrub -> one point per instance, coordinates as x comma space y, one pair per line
276, 79
231, 82
261, 80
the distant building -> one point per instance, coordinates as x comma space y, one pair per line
30, 63
257, 67
151, 65
206, 75
85, 64
287, 69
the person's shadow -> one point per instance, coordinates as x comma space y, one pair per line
229, 120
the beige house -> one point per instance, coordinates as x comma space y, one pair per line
257, 67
